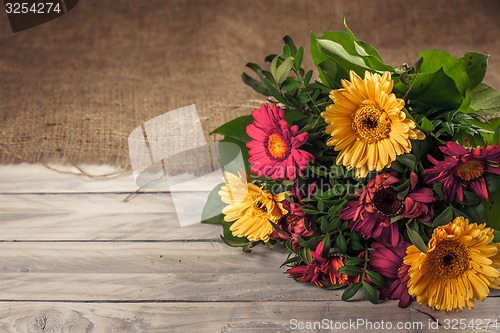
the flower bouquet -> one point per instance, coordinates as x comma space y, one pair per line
372, 177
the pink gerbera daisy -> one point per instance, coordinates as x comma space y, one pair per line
388, 261
274, 147
464, 169
371, 214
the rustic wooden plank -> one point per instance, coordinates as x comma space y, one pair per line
34, 178
170, 271
241, 317
173, 271
97, 216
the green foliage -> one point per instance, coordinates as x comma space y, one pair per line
485, 100
443, 96
287, 82
335, 53
415, 238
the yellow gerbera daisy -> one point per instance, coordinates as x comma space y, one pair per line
367, 125
461, 264
250, 207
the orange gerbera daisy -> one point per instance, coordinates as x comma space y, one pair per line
461, 264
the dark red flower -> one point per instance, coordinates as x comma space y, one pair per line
371, 214
313, 272
464, 169
322, 270
418, 201
296, 223
388, 261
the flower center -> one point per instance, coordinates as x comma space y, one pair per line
386, 202
449, 259
259, 205
292, 219
264, 205
277, 147
371, 123
470, 170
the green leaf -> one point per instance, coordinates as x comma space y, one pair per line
229, 149
350, 270
305, 255
232, 240
455, 68
448, 127
476, 65
444, 218
354, 261
273, 67
292, 117
327, 243
470, 199
330, 73
212, 211
376, 278
341, 243
496, 238
492, 206
438, 189
258, 86
430, 90
290, 261
485, 100
370, 292
407, 159
290, 84
286, 51
291, 45
426, 125
416, 239
311, 211
297, 58
284, 70
477, 213
321, 205
350, 291
403, 186
236, 128
496, 136
337, 52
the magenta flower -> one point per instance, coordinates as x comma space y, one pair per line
274, 147
464, 169
313, 272
371, 214
388, 261
417, 204
322, 270
295, 224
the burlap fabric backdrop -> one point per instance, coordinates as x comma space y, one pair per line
74, 88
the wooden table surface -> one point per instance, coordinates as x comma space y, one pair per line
74, 257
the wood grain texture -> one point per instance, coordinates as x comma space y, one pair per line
98, 216
74, 257
170, 271
29, 178
241, 317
